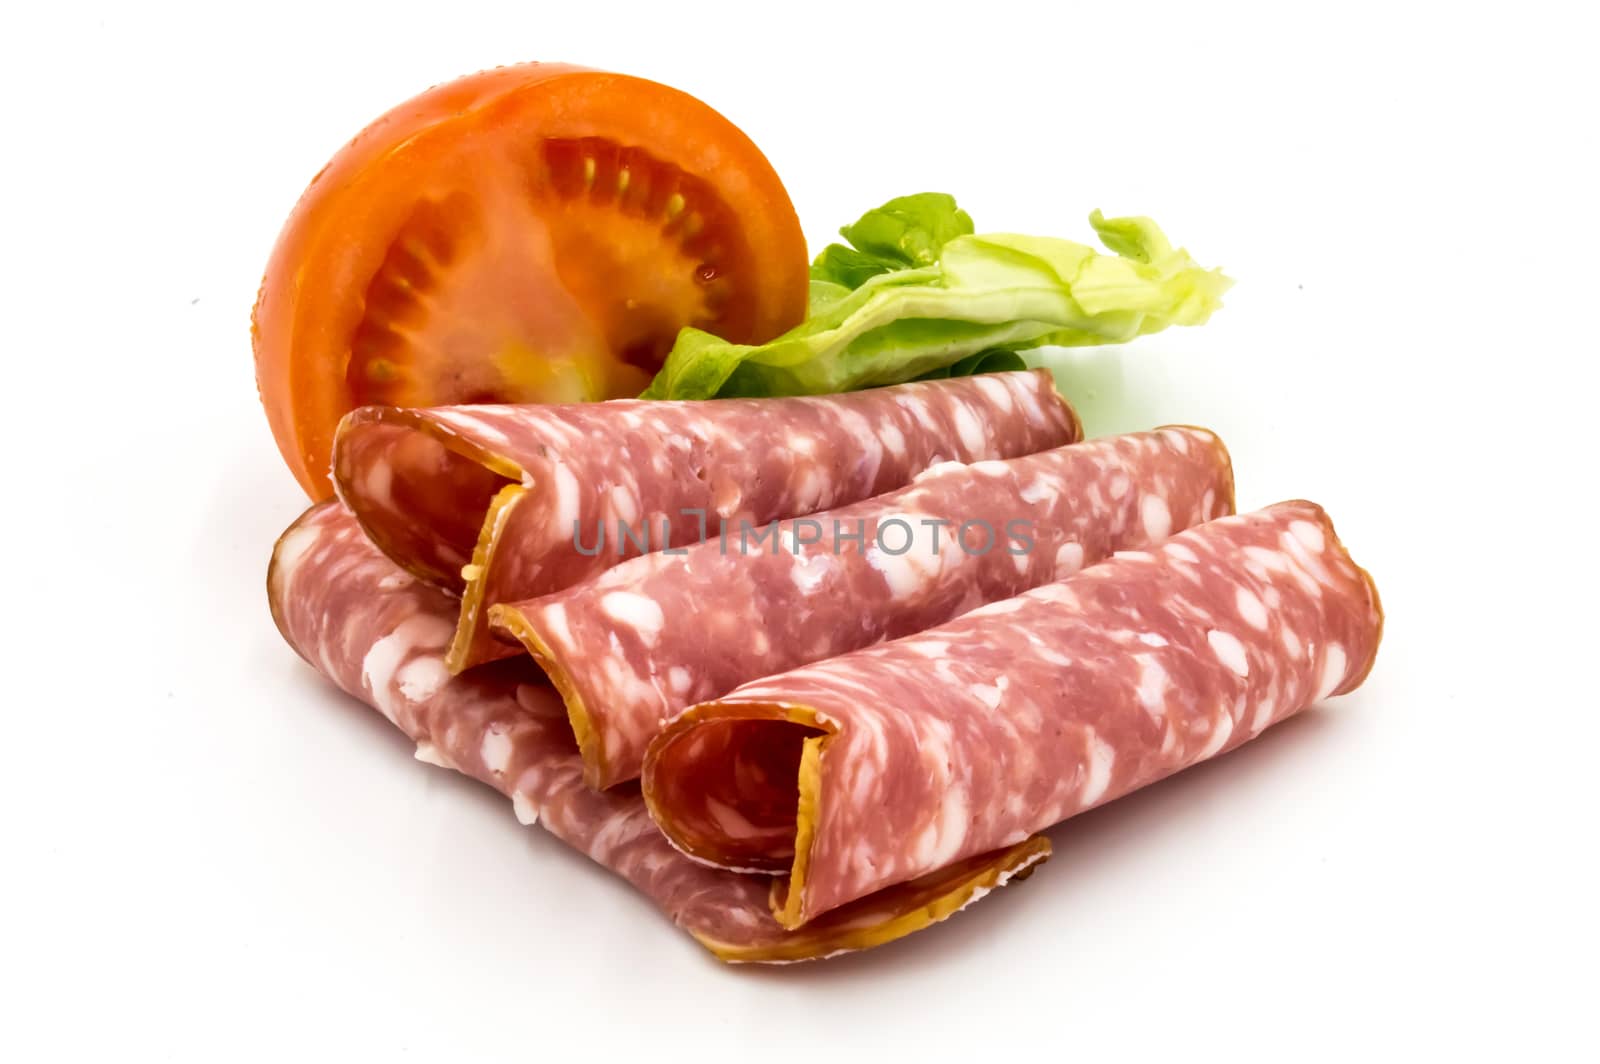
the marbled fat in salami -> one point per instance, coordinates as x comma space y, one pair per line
504, 503
974, 734
639, 642
380, 634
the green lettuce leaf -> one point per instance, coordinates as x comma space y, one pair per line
905, 232
918, 295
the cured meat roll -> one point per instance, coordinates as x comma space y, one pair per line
503, 503
642, 640
872, 768
380, 634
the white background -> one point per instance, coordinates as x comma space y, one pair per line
210, 856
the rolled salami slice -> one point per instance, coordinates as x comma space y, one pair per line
632, 646
379, 634
869, 769
503, 503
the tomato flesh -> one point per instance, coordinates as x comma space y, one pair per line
541, 245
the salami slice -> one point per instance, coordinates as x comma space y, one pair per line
503, 503
380, 634
974, 734
642, 640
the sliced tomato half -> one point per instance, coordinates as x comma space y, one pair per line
536, 233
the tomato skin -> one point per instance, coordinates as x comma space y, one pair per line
527, 285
